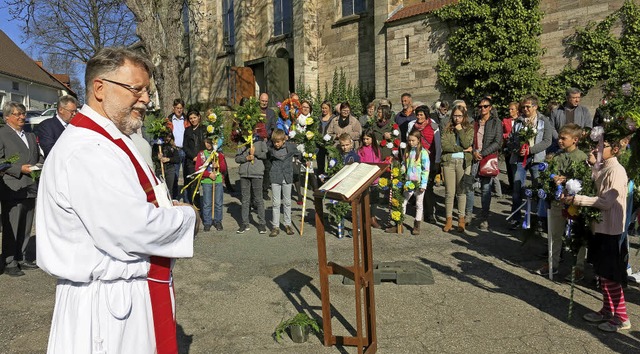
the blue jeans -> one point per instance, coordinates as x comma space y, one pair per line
251, 190
519, 179
207, 190
281, 195
485, 185
175, 190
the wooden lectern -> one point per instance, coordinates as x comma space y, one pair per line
361, 272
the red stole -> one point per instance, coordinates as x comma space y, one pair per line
159, 276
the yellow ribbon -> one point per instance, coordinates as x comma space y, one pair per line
198, 179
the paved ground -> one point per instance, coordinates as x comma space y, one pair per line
237, 288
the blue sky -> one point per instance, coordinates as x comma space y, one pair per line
12, 29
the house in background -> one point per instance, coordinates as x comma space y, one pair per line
25, 81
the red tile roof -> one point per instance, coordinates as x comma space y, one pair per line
16, 63
420, 9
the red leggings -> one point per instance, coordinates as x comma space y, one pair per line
613, 299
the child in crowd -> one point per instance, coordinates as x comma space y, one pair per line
567, 140
281, 153
417, 164
369, 152
346, 148
167, 158
211, 177
349, 156
606, 251
251, 171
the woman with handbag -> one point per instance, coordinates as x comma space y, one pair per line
457, 140
487, 143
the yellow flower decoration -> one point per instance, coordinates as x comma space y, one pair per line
212, 117
310, 135
395, 215
394, 182
209, 129
309, 121
383, 182
248, 116
313, 156
395, 202
395, 172
235, 115
573, 210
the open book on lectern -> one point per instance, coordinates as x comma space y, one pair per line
350, 178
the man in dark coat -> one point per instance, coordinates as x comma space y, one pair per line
50, 129
17, 189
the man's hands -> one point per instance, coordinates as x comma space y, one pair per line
198, 219
26, 169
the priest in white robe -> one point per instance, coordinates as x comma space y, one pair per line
104, 221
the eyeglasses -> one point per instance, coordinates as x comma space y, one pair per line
137, 91
528, 106
72, 111
19, 114
485, 106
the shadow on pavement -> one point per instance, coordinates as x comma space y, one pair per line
291, 283
536, 295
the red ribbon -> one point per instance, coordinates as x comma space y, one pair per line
524, 148
160, 288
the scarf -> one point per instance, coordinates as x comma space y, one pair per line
343, 122
422, 125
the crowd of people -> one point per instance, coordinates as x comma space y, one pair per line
447, 143
460, 147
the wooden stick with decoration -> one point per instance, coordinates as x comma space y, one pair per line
216, 166
304, 198
197, 179
160, 156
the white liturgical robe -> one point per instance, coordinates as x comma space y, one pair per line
96, 233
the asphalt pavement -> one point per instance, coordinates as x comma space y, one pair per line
237, 288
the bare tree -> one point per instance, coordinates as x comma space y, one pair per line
74, 29
67, 33
161, 31
57, 64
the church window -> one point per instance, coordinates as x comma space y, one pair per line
353, 7
282, 17
228, 26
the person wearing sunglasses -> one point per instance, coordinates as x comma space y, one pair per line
527, 156
50, 129
487, 142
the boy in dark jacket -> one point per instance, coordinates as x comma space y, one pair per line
251, 171
281, 153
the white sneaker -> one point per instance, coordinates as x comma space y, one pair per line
634, 278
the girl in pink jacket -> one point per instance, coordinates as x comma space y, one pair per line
369, 152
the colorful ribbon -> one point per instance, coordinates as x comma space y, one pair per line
525, 148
